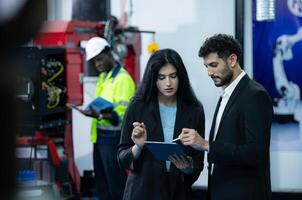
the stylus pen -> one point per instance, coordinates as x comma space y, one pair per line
176, 139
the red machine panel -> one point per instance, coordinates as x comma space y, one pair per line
69, 34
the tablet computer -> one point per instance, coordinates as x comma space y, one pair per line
69, 105
162, 150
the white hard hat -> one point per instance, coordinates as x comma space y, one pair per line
94, 47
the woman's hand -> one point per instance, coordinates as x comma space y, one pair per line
139, 134
183, 163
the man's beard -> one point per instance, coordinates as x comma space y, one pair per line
226, 79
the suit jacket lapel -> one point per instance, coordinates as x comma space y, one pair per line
180, 111
242, 83
214, 120
158, 131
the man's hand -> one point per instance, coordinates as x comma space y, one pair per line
90, 113
139, 134
190, 137
183, 163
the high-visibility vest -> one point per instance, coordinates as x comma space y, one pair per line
117, 87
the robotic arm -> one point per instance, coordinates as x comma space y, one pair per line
289, 91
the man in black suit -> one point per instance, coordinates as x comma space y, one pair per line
238, 147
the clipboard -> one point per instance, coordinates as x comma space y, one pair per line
162, 150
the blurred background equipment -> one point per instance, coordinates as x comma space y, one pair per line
53, 73
42, 89
19, 17
91, 10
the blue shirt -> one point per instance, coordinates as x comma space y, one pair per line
168, 116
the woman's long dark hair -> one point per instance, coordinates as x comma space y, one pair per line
147, 90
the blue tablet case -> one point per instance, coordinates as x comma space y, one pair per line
100, 105
162, 150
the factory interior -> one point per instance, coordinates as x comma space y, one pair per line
48, 82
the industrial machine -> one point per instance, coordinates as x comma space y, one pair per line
51, 76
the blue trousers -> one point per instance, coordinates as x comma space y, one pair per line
110, 179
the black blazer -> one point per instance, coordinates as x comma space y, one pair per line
146, 179
240, 152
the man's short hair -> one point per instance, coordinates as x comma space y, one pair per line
222, 44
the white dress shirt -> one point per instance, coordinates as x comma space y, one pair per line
226, 94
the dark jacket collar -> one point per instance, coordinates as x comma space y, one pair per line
115, 70
238, 89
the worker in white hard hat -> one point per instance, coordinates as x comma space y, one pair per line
116, 86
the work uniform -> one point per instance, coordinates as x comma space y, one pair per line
117, 87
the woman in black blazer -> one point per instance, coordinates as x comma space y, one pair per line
163, 105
